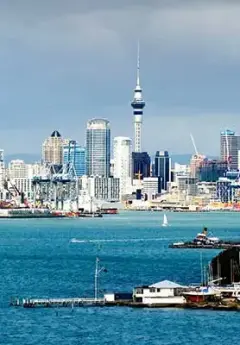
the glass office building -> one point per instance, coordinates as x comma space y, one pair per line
162, 168
212, 170
98, 148
141, 164
74, 154
229, 146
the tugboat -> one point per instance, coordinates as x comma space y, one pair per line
205, 242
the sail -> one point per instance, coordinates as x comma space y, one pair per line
165, 221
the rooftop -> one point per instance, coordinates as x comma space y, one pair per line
55, 134
166, 284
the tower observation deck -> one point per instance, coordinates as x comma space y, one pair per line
138, 105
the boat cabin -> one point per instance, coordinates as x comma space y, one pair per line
162, 293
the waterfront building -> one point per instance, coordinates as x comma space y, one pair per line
98, 148
212, 170
52, 149
104, 188
187, 186
229, 146
224, 192
161, 293
20, 176
138, 105
74, 154
195, 163
141, 164
122, 153
163, 168
151, 187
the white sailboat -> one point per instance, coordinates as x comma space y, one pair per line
165, 221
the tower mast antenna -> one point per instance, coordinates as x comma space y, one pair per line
138, 105
138, 64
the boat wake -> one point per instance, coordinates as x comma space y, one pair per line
75, 240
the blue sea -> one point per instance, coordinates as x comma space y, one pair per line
37, 259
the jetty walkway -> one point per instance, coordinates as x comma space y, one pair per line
55, 302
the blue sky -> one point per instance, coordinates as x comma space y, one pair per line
63, 62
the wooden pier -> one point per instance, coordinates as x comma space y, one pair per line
56, 302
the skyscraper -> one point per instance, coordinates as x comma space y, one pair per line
52, 149
229, 146
163, 168
138, 104
74, 154
141, 164
122, 153
98, 148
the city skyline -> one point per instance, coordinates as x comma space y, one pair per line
50, 72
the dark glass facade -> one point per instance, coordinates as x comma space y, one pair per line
141, 164
162, 168
210, 171
75, 155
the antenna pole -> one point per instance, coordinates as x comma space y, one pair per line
138, 64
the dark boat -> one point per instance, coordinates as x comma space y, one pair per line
202, 240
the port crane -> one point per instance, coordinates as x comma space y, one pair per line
58, 184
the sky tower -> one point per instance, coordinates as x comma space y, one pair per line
138, 104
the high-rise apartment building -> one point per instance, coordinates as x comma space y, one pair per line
74, 154
98, 148
104, 188
20, 175
229, 146
122, 153
163, 168
195, 163
52, 149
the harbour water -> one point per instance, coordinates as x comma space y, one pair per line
37, 259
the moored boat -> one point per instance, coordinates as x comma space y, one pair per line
202, 240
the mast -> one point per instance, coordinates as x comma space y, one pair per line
98, 270
96, 279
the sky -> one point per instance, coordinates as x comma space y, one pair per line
63, 62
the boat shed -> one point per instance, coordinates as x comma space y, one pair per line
162, 293
226, 265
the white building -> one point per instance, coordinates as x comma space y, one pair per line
122, 152
100, 188
20, 175
163, 293
151, 187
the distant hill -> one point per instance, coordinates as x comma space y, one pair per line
185, 158
181, 158
26, 157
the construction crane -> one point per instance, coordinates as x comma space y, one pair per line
194, 144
